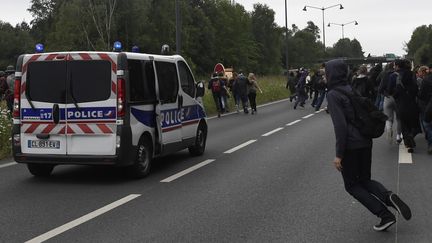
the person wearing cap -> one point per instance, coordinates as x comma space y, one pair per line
354, 152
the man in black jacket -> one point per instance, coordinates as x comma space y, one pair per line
354, 152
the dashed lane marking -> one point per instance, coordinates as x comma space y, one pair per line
187, 171
83, 219
294, 122
306, 117
239, 147
404, 156
271, 132
8, 164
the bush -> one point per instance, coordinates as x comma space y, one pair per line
5, 131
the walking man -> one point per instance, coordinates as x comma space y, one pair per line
354, 152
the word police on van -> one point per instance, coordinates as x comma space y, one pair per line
104, 108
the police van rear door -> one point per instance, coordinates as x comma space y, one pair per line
43, 102
91, 108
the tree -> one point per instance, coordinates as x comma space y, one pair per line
346, 48
267, 37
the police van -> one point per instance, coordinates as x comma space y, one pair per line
104, 108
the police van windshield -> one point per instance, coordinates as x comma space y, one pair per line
63, 82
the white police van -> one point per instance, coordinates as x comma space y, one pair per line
104, 108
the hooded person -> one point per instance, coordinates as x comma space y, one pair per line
354, 152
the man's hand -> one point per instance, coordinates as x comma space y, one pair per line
337, 163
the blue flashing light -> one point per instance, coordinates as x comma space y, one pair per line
135, 49
39, 48
118, 46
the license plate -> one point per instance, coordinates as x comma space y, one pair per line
46, 144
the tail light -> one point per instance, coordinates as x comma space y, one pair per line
121, 95
17, 98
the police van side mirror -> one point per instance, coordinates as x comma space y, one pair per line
200, 89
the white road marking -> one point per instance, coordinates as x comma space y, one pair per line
187, 171
306, 117
8, 164
83, 219
294, 122
404, 156
239, 147
271, 132
316, 112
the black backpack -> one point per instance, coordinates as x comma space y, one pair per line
367, 118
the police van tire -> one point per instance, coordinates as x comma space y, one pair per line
200, 141
143, 159
40, 170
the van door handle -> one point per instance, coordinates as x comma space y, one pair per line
56, 113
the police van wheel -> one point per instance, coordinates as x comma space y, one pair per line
200, 141
40, 170
142, 164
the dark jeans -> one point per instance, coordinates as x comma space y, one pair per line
320, 99
252, 100
218, 101
356, 173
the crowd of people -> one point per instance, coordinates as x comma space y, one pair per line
305, 85
7, 79
243, 90
401, 91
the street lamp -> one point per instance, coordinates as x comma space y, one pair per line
323, 9
342, 25
286, 39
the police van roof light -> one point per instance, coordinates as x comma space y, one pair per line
118, 46
39, 48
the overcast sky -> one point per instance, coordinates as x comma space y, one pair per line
384, 26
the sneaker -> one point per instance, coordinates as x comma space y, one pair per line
400, 206
398, 139
385, 223
410, 150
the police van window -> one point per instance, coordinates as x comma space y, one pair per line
90, 80
46, 81
142, 81
186, 79
168, 82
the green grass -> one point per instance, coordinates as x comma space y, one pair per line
5, 131
273, 88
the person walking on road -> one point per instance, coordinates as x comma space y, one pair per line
301, 89
389, 105
241, 86
354, 152
403, 87
252, 92
424, 100
216, 85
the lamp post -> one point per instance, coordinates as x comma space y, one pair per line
323, 9
342, 25
178, 27
286, 39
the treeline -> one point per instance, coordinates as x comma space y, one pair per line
212, 31
419, 47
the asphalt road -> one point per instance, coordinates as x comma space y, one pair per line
264, 178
